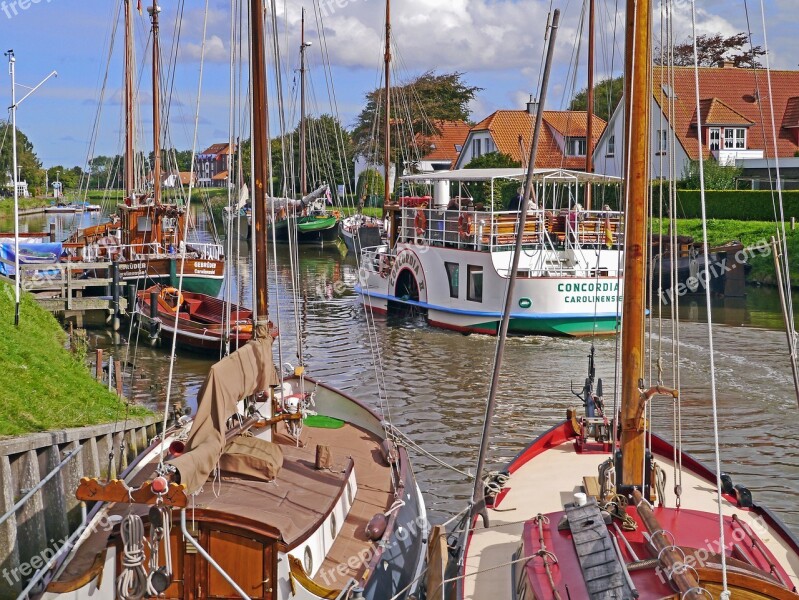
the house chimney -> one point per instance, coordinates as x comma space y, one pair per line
726, 64
532, 106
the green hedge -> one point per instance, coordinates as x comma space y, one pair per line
739, 205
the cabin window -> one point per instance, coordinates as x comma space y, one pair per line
475, 291
333, 526
144, 224
453, 273
307, 560
734, 138
575, 146
612, 145
714, 138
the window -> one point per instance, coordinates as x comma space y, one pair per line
453, 272
458, 148
476, 149
612, 145
475, 291
734, 138
663, 140
714, 138
144, 224
575, 146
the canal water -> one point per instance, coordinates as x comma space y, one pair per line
436, 382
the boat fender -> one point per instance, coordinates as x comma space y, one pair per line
376, 527
390, 452
177, 448
726, 484
744, 496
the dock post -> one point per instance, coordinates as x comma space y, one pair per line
118, 375
110, 373
98, 369
793, 223
52, 233
153, 317
130, 293
115, 295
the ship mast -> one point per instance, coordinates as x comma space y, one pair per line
154, 10
387, 118
589, 129
637, 99
303, 157
260, 167
130, 174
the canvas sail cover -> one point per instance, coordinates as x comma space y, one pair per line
243, 373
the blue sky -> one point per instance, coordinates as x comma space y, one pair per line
497, 44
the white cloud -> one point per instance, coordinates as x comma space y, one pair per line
215, 50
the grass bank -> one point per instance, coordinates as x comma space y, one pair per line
44, 386
7, 205
750, 233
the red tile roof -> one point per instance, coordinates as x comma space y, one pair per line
791, 117
443, 145
738, 90
716, 112
217, 149
507, 125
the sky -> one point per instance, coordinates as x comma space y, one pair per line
497, 44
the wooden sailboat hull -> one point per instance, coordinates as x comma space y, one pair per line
267, 557
357, 236
203, 276
544, 477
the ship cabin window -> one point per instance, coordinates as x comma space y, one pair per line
144, 224
475, 289
453, 274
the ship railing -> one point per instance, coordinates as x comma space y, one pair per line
377, 259
205, 251
494, 231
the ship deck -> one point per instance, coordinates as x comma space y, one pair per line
549, 480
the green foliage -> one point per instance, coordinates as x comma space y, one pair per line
503, 190
717, 177
370, 183
426, 99
607, 94
43, 387
714, 49
740, 205
31, 166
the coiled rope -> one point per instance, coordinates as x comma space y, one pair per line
132, 582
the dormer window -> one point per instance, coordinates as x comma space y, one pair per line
575, 146
714, 138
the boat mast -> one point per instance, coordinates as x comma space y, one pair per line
637, 100
130, 175
478, 502
303, 158
260, 167
589, 129
387, 119
154, 10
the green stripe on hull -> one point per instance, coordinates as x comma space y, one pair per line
199, 285
576, 327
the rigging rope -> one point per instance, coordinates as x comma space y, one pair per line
132, 582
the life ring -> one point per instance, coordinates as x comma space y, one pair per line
465, 225
420, 222
175, 293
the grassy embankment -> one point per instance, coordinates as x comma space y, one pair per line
45, 387
7, 205
750, 233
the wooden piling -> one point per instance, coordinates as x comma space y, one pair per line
118, 375
98, 374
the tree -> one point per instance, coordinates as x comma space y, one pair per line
715, 49
29, 163
415, 108
370, 183
607, 94
717, 177
503, 191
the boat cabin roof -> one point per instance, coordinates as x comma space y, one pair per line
516, 173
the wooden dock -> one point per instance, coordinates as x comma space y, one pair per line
71, 289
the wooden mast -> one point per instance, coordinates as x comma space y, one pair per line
637, 100
303, 157
589, 130
260, 167
130, 174
387, 119
154, 10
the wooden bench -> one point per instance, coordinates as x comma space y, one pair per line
592, 487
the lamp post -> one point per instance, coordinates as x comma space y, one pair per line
14, 104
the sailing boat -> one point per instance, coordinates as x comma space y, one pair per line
573, 515
308, 220
146, 235
297, 492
